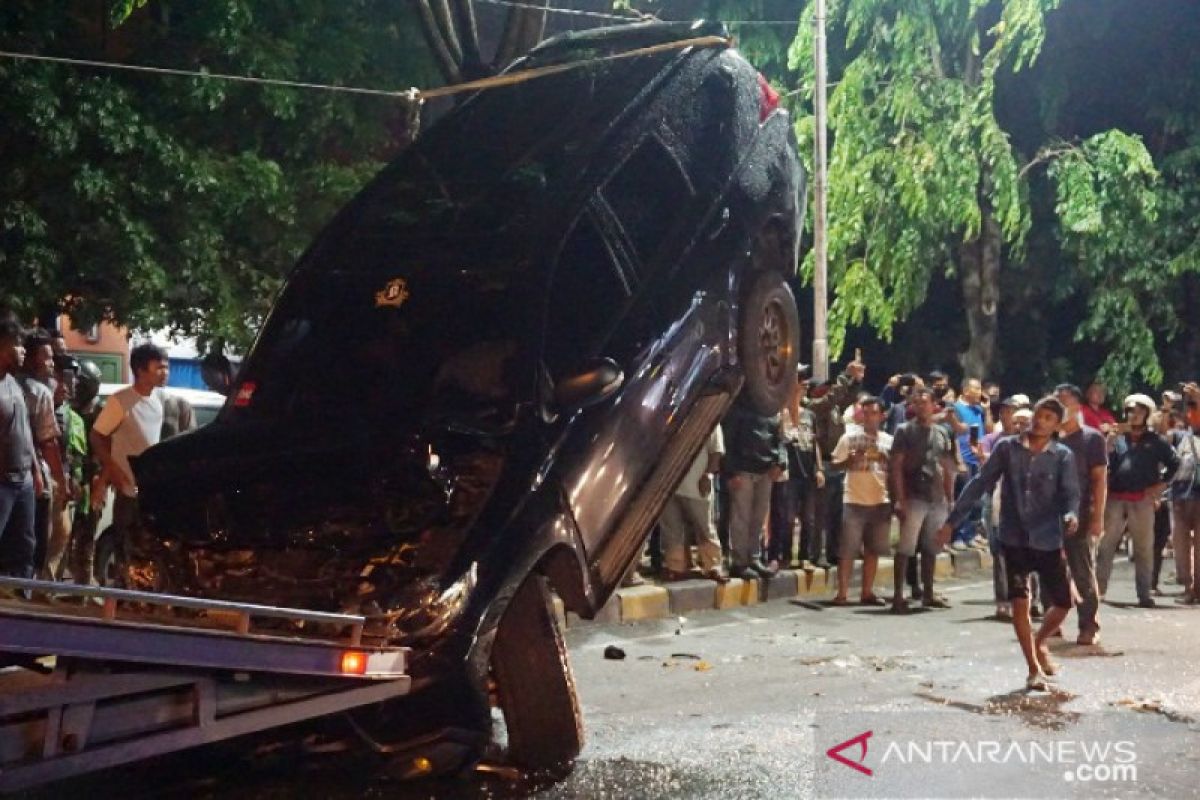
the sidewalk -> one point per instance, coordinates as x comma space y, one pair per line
659, 601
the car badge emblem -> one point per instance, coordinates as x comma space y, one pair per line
393, 295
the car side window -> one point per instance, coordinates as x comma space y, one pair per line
646, 195
588, 293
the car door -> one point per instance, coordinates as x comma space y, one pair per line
605, 300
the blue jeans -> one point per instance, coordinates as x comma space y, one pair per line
17, 541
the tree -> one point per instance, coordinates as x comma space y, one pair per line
160, 201
926, 180
1127, 201
922, 177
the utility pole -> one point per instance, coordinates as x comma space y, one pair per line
820, 355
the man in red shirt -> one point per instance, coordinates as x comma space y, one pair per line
1095, 415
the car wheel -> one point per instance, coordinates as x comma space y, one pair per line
105, 567
534, 684
769, 341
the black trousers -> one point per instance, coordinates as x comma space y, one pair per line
830, 513
1162, 535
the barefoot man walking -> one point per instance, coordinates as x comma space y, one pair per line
1039, 504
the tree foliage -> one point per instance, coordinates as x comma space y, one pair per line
160, 201
918, 155
923, 160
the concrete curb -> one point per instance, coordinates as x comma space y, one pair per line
654, 601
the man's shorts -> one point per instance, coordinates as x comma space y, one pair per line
1051, 569
920, 526
867, 526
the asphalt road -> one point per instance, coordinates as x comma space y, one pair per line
746, 704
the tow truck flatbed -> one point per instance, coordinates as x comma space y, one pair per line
116, 679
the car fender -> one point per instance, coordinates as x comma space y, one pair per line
554, 550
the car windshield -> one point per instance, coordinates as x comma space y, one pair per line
431, 280
388, 350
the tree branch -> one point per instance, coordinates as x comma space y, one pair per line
468, 32
523, 29
1048, 154
446, 62
441, 12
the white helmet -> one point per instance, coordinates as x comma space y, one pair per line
1140, 400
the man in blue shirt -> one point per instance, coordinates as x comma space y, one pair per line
971, 425
1039, 503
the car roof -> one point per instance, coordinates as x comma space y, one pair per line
200, 398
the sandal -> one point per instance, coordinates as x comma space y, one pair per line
1049, 666
715, 574
937, 601
840, 601
1037, 682
872, 600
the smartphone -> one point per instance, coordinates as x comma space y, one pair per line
973, 435
1122, 427
858, 354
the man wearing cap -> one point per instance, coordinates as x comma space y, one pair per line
1091, 463
1040, 503
1139, 465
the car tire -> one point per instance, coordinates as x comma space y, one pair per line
535, 685
769, 341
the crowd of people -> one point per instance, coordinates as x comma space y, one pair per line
1052, 488
62, 448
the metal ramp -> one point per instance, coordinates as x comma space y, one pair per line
118, 679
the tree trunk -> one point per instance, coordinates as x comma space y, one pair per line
522, 30
979, 267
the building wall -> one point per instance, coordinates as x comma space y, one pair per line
109, 351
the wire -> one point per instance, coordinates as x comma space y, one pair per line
642, 16
408, 95
83, 62
569, 11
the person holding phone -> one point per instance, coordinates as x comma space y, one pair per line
968, 422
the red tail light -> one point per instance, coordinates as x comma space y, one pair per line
245, 394
768, 98
353, 663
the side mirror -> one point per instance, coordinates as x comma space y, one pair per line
598, 381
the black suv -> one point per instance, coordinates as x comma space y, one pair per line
486, 376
